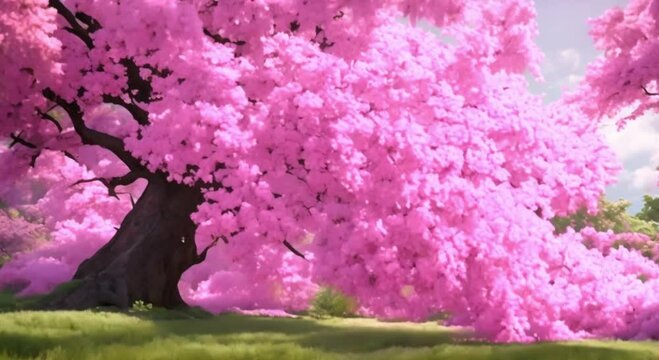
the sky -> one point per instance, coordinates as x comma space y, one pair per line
568, 49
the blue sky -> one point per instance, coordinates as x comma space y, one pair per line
568, 49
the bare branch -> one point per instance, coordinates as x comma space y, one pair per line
112, 183
46, 116
221, 39
202, 256
91, 136
648, 92
33, 159
294, 250
216, 37
17, 139
70, 156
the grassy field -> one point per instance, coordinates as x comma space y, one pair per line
161, 334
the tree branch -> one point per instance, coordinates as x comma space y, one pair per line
202, 256
75, 27
222, 40
46, 116
70, 156
140, 115
648, 92
294, 250
17, 139
112, 183
138, 88
92, 24
91, 136
216, 37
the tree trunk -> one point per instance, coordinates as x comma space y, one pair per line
146, 257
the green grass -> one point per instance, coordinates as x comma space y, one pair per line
189, 334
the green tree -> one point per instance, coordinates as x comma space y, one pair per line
614, 216
650, 210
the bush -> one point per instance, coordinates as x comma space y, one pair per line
332, 303
141, 306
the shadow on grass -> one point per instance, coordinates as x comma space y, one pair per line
313, 334
82, 334
367, 340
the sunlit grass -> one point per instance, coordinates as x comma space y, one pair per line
182, 334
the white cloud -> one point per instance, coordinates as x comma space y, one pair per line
548, 66
639, 138
567, 82
570, 57
637, 147
573, 79
646, 178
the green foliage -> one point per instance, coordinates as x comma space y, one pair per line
649, 228
611, 216
650, 210
102, 335
141, 306
9, 302
330, 302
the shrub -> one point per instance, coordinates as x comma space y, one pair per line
332, 303
141, 306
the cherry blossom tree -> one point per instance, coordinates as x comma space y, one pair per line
626, 75
326, 140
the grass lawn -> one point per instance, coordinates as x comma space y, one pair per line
159, 334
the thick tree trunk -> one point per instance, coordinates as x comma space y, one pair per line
146, 257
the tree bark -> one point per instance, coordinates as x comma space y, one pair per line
146, 257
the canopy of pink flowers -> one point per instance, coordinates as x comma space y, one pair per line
415, 174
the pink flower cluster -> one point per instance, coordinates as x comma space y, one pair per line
626, 75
